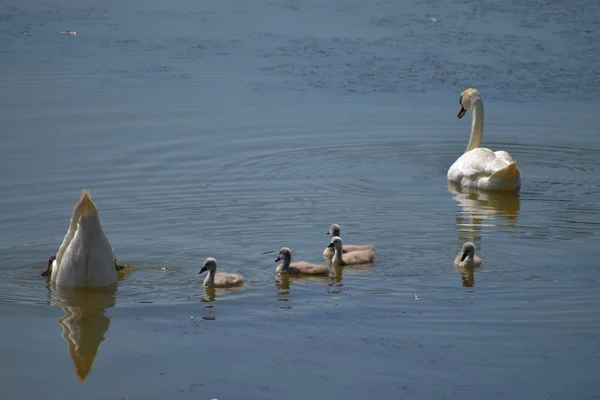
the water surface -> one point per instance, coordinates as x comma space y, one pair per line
231, 129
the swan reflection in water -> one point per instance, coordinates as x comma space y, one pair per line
85, 322
481, 209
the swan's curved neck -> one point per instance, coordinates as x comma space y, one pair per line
286, 263
476, 125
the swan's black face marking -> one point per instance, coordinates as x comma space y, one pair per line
463, 256
463, 109
204, 269
278, 258
331, 245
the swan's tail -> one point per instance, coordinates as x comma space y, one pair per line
507, 178
85, 206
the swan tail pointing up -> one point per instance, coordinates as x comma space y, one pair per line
507, 178
85, 206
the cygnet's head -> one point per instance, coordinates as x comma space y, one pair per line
467, 98
468, 250
336, 242
210, 264
285, 254
334, 230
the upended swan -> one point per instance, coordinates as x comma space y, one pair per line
335, 230
480, 167
466, 257
298, 267
221, 279
352, 258
85, 258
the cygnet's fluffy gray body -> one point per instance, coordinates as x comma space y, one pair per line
353, 258
220, 279
466, 256
335, 230
298, 267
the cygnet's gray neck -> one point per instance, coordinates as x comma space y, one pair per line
210, 277
337, 255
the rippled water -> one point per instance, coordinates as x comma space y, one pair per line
232, 129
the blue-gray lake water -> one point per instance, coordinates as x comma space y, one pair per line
229, 129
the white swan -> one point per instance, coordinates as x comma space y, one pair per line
299, 267
221, 279
466, 257
353, 258
335, 230
480, 167
85, 258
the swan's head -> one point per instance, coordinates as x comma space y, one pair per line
336, 242
210, 264
468, 250
285, 254
334, 230
467, 98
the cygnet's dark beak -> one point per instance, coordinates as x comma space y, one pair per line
463, 256
331, 245
203, 270
278, 259
328, 232
461, 112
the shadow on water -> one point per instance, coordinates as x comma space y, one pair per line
85, 322
478, 210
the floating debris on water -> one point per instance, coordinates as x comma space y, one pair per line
69, 32
417, 297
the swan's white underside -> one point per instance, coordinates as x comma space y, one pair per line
88, 259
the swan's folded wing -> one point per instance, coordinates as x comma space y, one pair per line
480, 162
101, 261
72, 270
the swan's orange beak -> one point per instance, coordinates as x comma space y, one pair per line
461, 112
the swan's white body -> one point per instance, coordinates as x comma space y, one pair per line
85, 258
221, 279
480, 167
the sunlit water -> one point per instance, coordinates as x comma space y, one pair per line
232, 129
